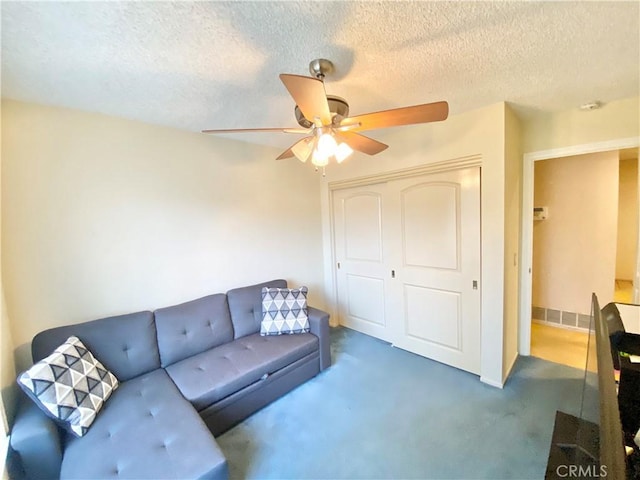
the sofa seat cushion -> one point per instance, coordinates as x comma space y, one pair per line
211, 376
146, 430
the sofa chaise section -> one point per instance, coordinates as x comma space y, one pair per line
127, 346
145, 431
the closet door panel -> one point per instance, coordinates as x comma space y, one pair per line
436, 257
361, 273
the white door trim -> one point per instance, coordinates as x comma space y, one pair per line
446, 165
526, 227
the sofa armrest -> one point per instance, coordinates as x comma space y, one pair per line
319, 326
36, 440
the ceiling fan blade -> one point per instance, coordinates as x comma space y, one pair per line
361, 143
286, 154
246, 130
309, 95
428, 112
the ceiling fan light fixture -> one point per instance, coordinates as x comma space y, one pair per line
342, 152
319, 159
326, 145
302, 150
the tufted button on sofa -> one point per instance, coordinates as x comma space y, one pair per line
186, 372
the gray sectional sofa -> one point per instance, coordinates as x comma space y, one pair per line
186, 373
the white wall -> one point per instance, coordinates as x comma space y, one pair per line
615, 120
512, 195
477, 132
574, 250
627, 220
103, 216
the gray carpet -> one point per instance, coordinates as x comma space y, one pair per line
381, 412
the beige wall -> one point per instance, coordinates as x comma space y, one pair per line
103, 216
481, 132
574, 250
512, 195
615, 120
7, 364
627, 220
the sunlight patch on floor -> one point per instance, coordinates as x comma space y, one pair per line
569, 347
560, 345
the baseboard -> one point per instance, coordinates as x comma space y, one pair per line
492, 383
500, 384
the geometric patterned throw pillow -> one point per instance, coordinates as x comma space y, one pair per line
284, 311
70, 386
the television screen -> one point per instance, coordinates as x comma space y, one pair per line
591, 444
612, 451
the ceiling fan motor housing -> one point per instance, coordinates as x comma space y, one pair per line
338, 107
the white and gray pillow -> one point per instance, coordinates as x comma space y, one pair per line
284, 311
70, 385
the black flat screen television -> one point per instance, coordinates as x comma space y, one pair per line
612, 451
583, 446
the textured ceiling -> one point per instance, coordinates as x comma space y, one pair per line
196, 65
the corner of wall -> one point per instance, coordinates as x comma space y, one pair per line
8, 387
513, 200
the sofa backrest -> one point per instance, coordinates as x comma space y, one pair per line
125, 344
192, 327
245, 305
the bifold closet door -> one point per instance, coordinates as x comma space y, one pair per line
408, 263
436, 258
361, 272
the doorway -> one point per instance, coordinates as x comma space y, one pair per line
627, 246
574, 250
524, 336
586, 211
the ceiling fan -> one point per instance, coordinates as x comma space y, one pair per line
324, 119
